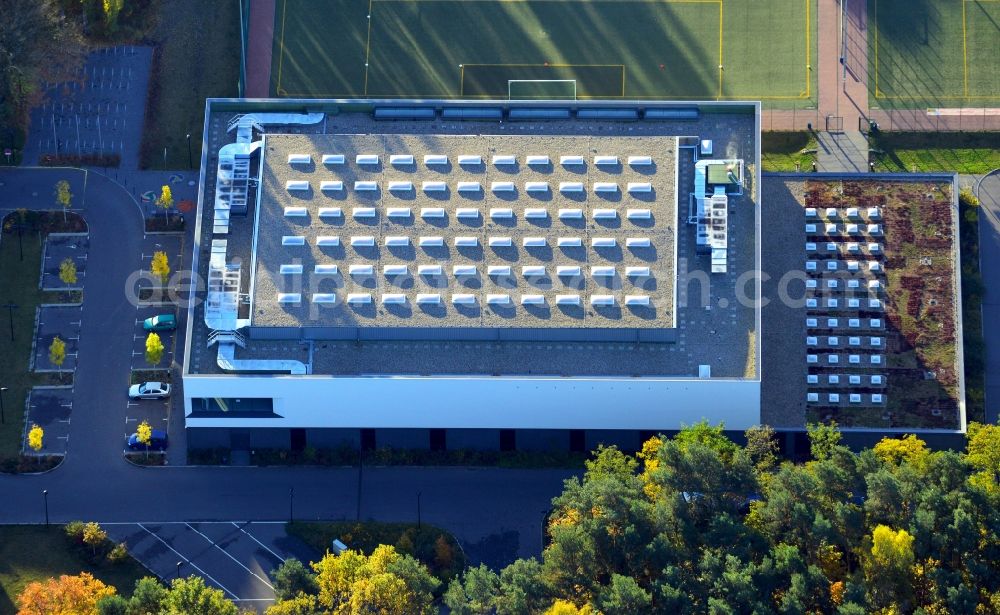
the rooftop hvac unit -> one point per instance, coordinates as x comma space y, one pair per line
297, 185
296, 212
570, 186
327, 269
327, 240
500, 242
365, 186
463, 270
393, 298
435, 159
534, 242
533, 270
293, 240
570, 160
640, 161
637, 242
606, 160
502, 186
330, 212
533, 213
602, 300
536, 187
469, 187
605, 214
289, 298
324, 298
364, 212
431, 241
428, 299
470, 159
567, 299
501, 212
500, 270
333, 159
434, 186
605, 187
638, 214
397, 240
362, 240
637, 272
568, 270
570, 214
504, 160
466, 241
361, 270
299, 159
634, 187
467, 212
569, 242
603, 242
432, 212
290, 269
532, 299
331, 186
463, 299
538, 160
603, 272
498, 299
359, 298
395, 270
400, 186
429, 269
636, 299
366, 159
398, 212
401, 159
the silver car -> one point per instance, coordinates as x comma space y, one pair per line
149, 390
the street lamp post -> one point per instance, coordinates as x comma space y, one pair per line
2, 418
45, 497
190, 162
179, 564
10, 312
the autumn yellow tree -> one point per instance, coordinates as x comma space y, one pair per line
111, 10
63, 196
160, 267
36, 437
57, 353
144, 433
909, 448
154, 349
565, 607
384, 582
983, 453
888, 565
67, 595
93, 536
165, 200
67, 272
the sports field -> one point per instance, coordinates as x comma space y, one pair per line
934, 53
679, 49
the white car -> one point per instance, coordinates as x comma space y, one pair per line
149, 390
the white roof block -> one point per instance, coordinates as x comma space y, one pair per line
333, 159
397, 240
466, 212
502, 186
466, 241
428, 298
500, 242
429, 270
434, 186
365, 186
463, 299
393, 298
640, 187
398, 212
603, 242
602, 271
636, 300
532, 299
324, 298
536, 186
501, 212
570, 214
328, 240
362, 240
504, 159
327, 269
469, 187
290, 268
364, 212
640, 161
536, 213
331, 185
299, 158
330, 212
602, 300
498, 270
605, 187
570, 160
567, 270
538, 160
567, 299
638, 272
401, 159
297, 185
401, 186
361, 270
289, 297
498, 299
638, 214
534, 242
463, 270
293, 240
431, 241
605, 214
435, 159
296, 212
366, 159
359, 298
533, 270
395, 270
606, 160
570, 186
569, 242
432, 212
637, 242
470, 159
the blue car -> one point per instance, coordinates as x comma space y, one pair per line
157, 441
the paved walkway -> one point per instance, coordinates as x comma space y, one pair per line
989, 263
842, 152
260, 41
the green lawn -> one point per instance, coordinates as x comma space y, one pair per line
18, 285
35, 552
781, 151
934, 53
971, 153
654, 48
197, 57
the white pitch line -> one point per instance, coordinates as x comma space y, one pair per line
189, 562
257, 541
238, 562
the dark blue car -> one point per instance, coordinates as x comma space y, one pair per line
157, 441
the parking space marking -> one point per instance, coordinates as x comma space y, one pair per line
186, 560
238, 562
253, 538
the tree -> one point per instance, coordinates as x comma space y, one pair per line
94, 536
895, 451
383, 582
111, 10
303, 604
623, 597
154, 349
35, 438
474, 593
160, 267
165, 200
67, 272
292, 578
888, 566
76, 595
112, 605
823, 438
983, 452
148, 597
191, 596
63, 196
57, 352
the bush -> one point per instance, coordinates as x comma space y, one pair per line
74, 530
118, 554
85, 160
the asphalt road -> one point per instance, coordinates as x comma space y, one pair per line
496, 514
989, 259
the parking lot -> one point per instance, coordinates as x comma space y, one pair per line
50, 409
236, 557
139, 336
56, 321
172, 245
59, 247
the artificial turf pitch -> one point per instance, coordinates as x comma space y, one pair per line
934, 53
675, 49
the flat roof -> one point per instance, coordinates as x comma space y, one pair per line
435, 230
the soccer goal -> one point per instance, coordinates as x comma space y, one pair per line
541, 89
